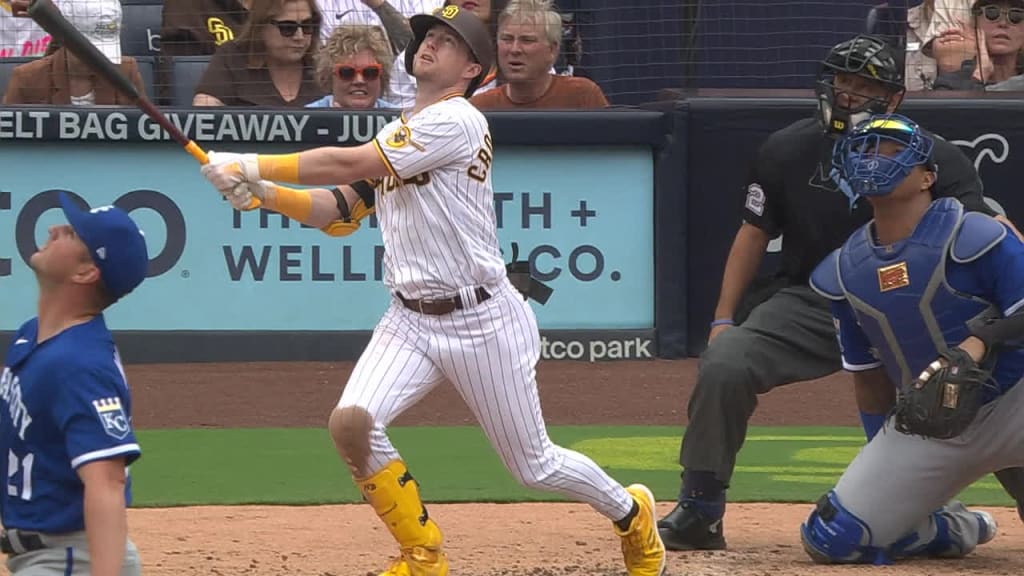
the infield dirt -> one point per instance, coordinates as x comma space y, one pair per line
481, 539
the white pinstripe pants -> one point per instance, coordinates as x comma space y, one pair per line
489, 352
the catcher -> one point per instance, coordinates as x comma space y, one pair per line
927, 302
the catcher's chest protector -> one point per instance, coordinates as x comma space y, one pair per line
899, 293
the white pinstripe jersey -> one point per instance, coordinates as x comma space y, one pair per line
337, 12
436, 210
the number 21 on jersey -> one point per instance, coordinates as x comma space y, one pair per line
24, 467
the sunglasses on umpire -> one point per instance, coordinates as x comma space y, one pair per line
992, 13
288, 28
369, 73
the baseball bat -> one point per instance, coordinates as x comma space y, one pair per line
49, 18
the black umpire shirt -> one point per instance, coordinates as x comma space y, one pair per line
790, 193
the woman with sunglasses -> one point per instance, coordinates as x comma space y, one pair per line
994, 41
354, 66
270, 63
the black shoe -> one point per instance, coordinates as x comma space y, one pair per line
687, 527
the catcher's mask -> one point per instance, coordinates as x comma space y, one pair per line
864, 56
471, 29
867, 169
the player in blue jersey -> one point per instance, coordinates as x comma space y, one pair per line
66, 437
915, 294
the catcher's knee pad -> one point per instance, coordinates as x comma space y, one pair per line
833, 535
394, 495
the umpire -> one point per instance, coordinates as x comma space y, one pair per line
788, 335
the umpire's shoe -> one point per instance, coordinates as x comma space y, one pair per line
690, 527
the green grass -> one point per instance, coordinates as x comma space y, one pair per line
456, 464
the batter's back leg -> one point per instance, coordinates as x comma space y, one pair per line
493, 368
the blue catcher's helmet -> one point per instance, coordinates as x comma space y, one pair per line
867, 172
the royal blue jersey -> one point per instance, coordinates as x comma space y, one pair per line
65, 403
997, 276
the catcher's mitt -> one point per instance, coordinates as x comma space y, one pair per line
943, 401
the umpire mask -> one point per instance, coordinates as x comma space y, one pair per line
864, 57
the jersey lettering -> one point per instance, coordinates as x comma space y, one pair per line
10, 391
482, 162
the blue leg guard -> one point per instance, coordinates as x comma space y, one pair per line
941, 546
833, 535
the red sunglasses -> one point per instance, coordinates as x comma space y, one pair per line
369, 73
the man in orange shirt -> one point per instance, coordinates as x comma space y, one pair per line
529, 38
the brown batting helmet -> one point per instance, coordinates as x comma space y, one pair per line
470, 28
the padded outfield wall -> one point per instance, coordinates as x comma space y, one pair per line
627, 213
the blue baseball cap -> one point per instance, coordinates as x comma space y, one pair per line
115, 243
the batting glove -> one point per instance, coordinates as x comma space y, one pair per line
227, 170
249, 195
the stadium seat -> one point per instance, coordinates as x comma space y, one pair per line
140, 27
6, 66
889, 22
147, 69
186, 72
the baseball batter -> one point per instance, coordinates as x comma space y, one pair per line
906, 290
455, 315
66, 438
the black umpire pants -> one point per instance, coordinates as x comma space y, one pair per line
788, 337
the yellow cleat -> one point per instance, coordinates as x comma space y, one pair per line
642, 548
394, 495
419, 562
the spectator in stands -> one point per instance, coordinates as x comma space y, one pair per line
1012, 84
997, 29
392, 16
925, 22
61, 79
354, 66
270, 63
19, 36
529, 39
403, 86
198, 27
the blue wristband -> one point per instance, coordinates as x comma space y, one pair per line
722, 322
872, 423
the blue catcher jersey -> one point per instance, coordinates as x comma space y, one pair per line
904, 310
65, 403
